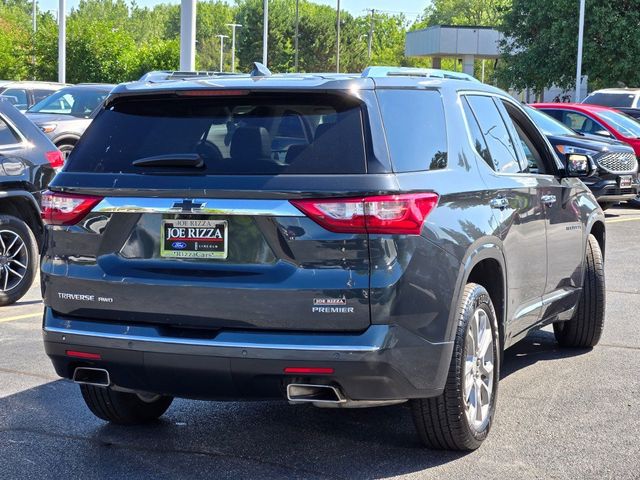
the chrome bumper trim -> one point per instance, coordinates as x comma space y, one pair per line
371, 340
204, 206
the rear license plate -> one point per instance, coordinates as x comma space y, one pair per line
194, 239
625, 181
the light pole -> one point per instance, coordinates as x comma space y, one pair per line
222, 37
62, 41
188, 35
370, 41
233, 44
579, 63
338, 38
33, 15
295, 40
265, 31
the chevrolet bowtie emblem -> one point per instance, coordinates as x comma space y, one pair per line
187, 205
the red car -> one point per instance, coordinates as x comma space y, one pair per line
596, 120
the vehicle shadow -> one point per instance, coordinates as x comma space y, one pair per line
48, 430
51, 425
538, 346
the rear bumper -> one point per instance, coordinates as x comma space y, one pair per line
385, 362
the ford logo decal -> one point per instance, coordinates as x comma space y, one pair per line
179, 245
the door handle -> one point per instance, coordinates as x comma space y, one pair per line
548, 200
499, 202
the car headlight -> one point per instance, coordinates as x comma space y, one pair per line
570, 149
48, 127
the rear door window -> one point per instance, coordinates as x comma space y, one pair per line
496, 134
253, 134
477, 138
415, 127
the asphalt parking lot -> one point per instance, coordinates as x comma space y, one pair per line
561, 414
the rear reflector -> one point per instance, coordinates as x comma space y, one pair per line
66, 208
386, 214
84, 355
309, 370
55, 158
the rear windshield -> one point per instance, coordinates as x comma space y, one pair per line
621, 99
246, 134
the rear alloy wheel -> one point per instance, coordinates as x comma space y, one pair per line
585, 328
65, 148
460, 418
18, 259
124, 408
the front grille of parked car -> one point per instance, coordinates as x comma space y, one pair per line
617, 162
619, 191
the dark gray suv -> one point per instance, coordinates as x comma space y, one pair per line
341, 240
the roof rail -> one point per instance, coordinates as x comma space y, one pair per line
161, 75
377, 72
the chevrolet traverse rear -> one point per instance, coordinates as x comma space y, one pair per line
341, 240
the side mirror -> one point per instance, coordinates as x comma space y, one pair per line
576, 165
603, 133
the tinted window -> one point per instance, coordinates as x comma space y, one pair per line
495, 132
548, 124
476, 134
611, 99
7, 135
78, 102
415, 126
39, 95
17, 96
250, 134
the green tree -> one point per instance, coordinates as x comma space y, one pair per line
480, 13
14, 42
541, 48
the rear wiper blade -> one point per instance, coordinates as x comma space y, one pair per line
181, 160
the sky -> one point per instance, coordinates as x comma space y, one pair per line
411, 8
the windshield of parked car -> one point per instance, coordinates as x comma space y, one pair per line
548, 124
77, 102
609, 99
624, 124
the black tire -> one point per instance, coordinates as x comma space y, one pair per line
16, 288
65, 148
123, 408
585, 328
442, 421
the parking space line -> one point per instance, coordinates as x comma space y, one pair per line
620, 220
21, 317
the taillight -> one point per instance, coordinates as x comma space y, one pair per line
66, 208
387, 214
55, 158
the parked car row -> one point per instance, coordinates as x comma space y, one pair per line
614, 131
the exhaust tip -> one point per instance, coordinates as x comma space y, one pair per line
98, 377
301, 393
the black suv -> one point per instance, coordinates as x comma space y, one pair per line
614, 176
27, 163
341, 240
